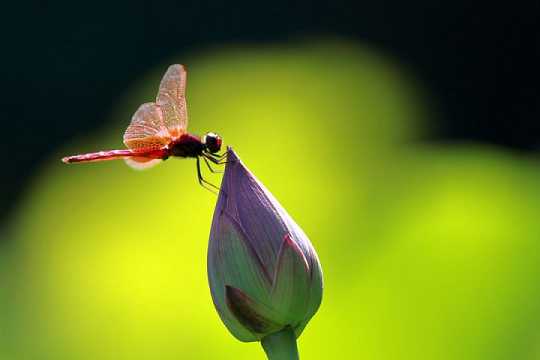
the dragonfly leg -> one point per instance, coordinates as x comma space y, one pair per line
210, 167
222, 156
205, 184
216, 160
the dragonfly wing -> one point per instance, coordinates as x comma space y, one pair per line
172, 100
141, 163
147, 130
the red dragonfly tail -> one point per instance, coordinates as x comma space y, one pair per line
99, 156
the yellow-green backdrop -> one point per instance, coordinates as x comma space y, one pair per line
429, 251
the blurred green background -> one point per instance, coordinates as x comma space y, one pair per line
429, 251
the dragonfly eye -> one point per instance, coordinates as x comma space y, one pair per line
212, 142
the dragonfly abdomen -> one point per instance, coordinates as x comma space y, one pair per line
98, 156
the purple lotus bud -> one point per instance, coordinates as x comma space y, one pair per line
263, 271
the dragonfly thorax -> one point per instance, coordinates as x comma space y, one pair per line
187, 146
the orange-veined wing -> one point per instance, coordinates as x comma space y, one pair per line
172, 100
147, 130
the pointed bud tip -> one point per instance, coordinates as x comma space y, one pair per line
231, 155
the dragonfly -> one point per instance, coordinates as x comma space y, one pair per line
158, 130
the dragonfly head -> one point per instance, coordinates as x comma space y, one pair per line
212, 141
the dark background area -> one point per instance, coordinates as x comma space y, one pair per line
64, 64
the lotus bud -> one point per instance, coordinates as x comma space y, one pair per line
264, 275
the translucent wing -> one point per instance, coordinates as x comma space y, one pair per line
141, 163
147, 130
172, 100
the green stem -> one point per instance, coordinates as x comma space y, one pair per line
281, 345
